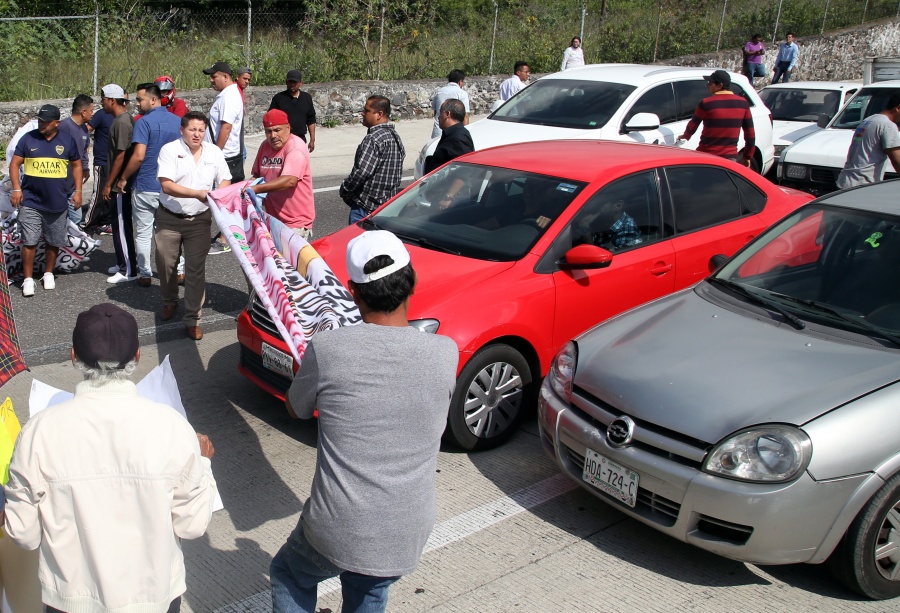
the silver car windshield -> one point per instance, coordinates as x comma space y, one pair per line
834, 265
476, 211
868, 101
565, 103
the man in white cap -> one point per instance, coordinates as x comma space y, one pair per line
368, 527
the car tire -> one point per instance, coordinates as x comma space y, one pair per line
756, 165
856, 563
492, 393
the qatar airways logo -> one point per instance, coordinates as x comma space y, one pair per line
267, 161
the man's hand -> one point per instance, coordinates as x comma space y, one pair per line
76, 200
206, 447
107, 192
15, 198
121, 185
746, 162
202, 196
86, 175
312, 145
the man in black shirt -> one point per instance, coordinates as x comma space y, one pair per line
299, 108
455, 138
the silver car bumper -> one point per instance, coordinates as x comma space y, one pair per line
781, 523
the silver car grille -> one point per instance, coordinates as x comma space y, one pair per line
648, 437
261, 319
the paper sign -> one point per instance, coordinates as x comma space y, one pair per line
158, 386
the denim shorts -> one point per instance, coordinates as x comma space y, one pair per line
54, 226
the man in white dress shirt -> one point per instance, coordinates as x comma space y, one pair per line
512, 85
188, 168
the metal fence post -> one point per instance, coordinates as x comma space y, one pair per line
865, 10
658, 23
583, 13
96, 42
381, 41
777, 19
721, 26
249, 28
493, 37
825, 16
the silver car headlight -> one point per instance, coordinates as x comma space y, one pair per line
795, 171
426, 325
769, 454
562, 371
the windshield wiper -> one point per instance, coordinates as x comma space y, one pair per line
369, 224
743, 291
859, 322
424, 242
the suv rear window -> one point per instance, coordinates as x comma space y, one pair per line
565, 103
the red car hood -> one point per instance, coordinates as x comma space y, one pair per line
442, 277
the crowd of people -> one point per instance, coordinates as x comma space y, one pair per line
110, 541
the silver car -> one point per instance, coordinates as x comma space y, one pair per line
757, 414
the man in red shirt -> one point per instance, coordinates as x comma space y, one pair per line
723, 114
283, 162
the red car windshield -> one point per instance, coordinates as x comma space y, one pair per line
477, 211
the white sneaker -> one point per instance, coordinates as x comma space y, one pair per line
28, 287
113, 270
48, 281
120, 278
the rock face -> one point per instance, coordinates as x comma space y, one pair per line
833, 57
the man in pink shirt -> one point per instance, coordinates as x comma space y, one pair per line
283, 162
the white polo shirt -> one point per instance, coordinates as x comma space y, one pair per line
228, 107
176, 162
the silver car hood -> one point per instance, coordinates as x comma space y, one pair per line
694, 367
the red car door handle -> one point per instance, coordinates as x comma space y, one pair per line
660, 269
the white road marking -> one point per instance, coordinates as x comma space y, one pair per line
445, 533
337, 187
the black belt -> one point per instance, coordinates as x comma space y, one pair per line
180, 215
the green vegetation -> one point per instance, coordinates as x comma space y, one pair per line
367, 39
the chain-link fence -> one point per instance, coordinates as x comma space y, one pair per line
77, 45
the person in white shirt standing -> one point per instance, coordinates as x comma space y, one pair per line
188, 168
453, 89
226, 118
573, 56
512, 85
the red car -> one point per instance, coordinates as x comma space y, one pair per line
522, 247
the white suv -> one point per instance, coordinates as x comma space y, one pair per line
622, 102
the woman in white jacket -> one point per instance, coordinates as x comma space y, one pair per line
573, 56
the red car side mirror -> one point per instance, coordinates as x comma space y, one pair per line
584, 257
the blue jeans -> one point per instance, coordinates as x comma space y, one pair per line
298, 568
357, 213
782, 70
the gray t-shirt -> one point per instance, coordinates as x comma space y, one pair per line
866, 156
120, 133
382, 394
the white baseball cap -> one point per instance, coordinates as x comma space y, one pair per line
372, 244
113, 91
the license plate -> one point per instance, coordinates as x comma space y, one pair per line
278, 361
611, 477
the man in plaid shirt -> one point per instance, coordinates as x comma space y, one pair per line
379, 162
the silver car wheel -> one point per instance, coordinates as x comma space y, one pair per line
493, 399
887, 545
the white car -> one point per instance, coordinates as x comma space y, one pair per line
797, 106
813, 163
619, 102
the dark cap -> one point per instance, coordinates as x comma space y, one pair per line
105, 333
218, 67
720, 77
244, 70
48, 112
294, 75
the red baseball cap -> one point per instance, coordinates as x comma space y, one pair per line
275, 117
